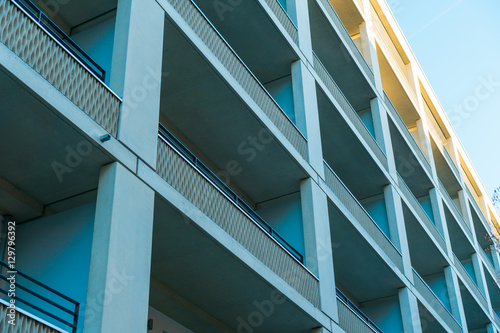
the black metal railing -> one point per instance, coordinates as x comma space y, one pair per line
207, 172
30, 294
58, 34
347, 302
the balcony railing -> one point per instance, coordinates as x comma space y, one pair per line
352, 319
35, 297
421, 214
283, 18
58, 63
434, 301
406, 133
344, 34
199, 23
348, 110
468, 281
361, 215
182, 170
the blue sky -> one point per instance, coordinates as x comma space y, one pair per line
457, 43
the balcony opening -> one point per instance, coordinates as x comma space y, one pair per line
428, 322
367, 119
337, 52
425, 202
460, 244
86, 30
282, 91
385, 313
476, 318
376, 208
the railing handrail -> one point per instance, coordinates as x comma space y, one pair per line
57, 33
170, 138
357, 311
74, 313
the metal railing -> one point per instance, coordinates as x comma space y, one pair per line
348, 39
207, 172
186, 175
434, 301
36, 296
21, 32
361, 215
406, 133
352, 319
348, 110
211, 37
421, 214
57, 33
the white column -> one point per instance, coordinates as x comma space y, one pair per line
457, 305
118, 289
409, 311
440, 218
318, 244
136, 73
306, 113
382, 133
481, 278
424, 142
298, 11
466, 212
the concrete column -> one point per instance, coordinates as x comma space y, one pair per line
457, 305
409, 311
490, 328
318, 244
118, 289
306, 113
481, 278
382, 133
466, 212
298, 11
424, 143
397, 227
368, 45
440, 218
136, 73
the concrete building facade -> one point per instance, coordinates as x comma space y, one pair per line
232, 166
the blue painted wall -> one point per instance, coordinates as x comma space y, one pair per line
97, 42
425, 202
282, 92
378, 212
285, 217
366, 117
55, 250
438, 286
387, 316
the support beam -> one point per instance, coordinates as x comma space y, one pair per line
409, 311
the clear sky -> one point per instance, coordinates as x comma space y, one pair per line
457, 43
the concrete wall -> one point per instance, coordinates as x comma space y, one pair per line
366, 117
97, 42
285, 216
282, 92
425, 202
387, 316
438, 285
469, 267
55, 250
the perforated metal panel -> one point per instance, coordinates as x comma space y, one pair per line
24, 324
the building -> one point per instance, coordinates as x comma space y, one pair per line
233, 166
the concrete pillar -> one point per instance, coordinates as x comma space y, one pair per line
466, 212
490, 328
136, 73
368, 45
318, 244
382, 133
457, 305
397, 227
306, 113
424, 143
481, 278
440, 218
118, 289
298, 11
409, 311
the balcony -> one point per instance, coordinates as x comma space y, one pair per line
44, 47
351, 318
38, 308
434, 303
183, 251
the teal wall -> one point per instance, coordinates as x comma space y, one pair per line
366, 117
97, 42
438, 285
282, 92
285, 216
55, 250
425, 202
469, 267
378, 212
387, 316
